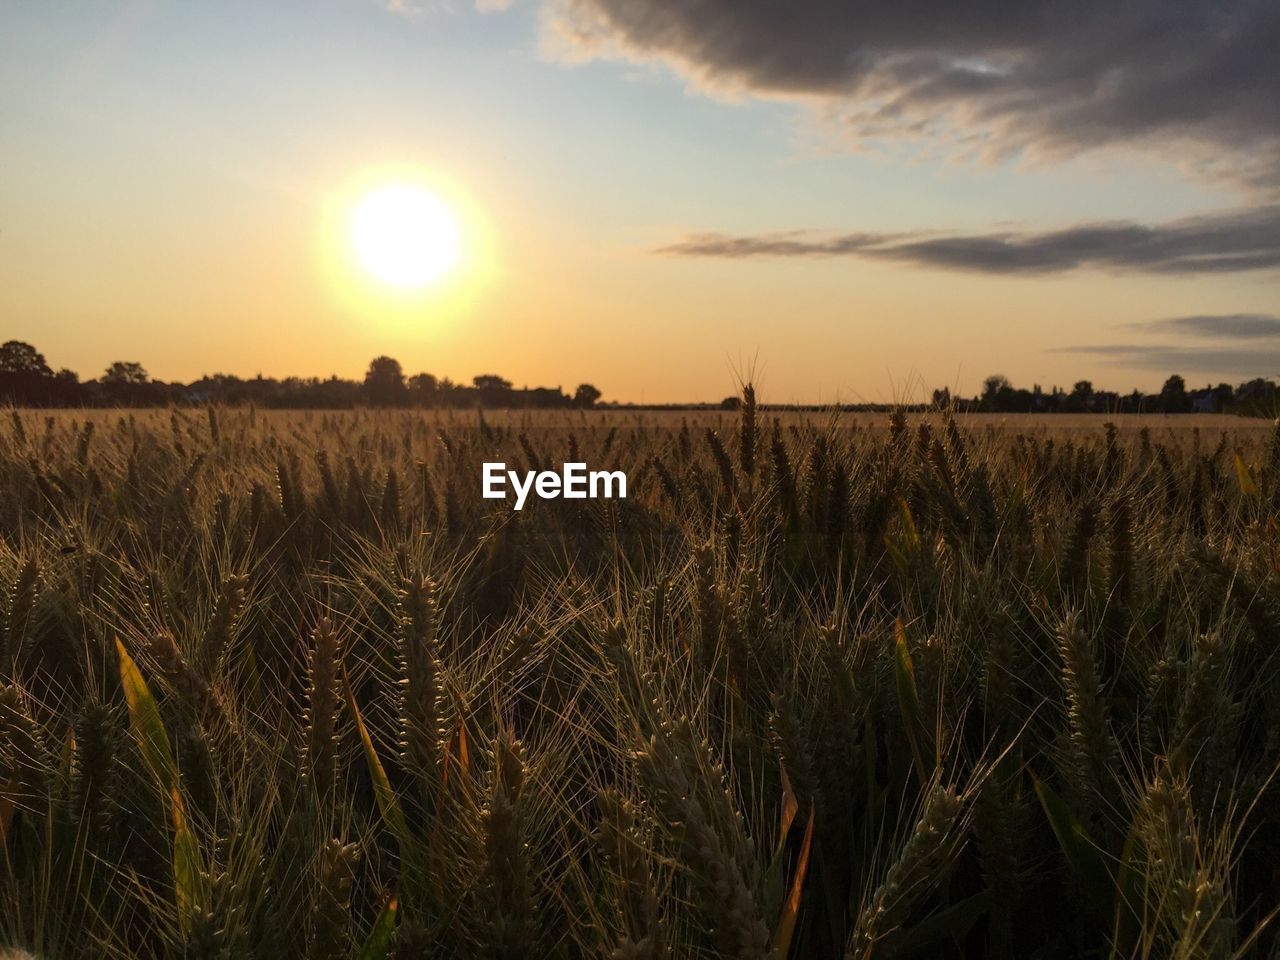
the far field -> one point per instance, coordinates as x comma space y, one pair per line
1160, 424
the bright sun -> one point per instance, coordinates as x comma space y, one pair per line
405, 236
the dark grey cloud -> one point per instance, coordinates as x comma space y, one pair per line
1191, 361
1231, 241
1001, 75
1227, 326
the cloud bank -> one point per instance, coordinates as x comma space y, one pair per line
1227, 242
1225, 361
1231, 326
1257, 356
994, 76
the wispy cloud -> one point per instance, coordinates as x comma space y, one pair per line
1228, 326
1200, 361
1232, 241
416, 8
1226, 357
1039, 75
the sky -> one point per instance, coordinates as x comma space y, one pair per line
848, 202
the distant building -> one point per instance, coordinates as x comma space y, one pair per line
1204, 401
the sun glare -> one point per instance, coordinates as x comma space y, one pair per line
405, 236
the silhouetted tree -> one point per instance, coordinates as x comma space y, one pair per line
423, 384
586, 395
1257, 397
1173, 395
489, 390
424, 390
1078, 400
384, 383
19, 357
992, 387
125, 372
126, 383
941, 399
26, 380
997, 393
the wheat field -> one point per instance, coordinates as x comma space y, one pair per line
283, 685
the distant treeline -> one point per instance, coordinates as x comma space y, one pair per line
27, 380
1253, 397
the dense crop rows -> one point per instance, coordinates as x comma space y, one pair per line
285, 686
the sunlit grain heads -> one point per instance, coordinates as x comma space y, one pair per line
1204, 717
507, 869
219, 914
422, 702
82, 444
1093, 748
1000, 674
1186, 880
24, 762
839, 508
289, 497
711, 861
791, 746
1120, 548
643, 935
721, 456
911, 874
318, 758
784, 478
748, 431
659, 612
95, 769
533, 462
222, 625
1000, 829
1073, 556
924, 440
389, 512
638, 700
215, 430
898, 427
816, 467
190, 685
328, 935
356, 502
669, 486
332, 498
21, 601
19, 429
